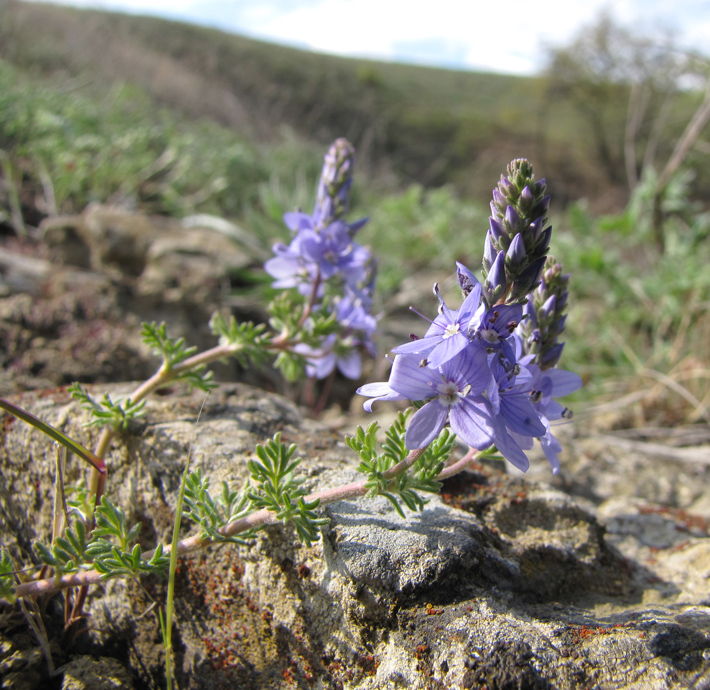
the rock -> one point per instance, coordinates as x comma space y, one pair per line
500, 581
85, 673
71, 307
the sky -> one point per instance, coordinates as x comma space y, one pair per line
507, 36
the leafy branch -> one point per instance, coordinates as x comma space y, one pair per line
378, 466
277, 490
68, 553
7, 578
174, 352
244, 341
107, 413
111, 550
214, 514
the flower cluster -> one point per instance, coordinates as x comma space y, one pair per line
476, 368
333, 272
517, 240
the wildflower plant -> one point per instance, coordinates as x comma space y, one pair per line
484, 374
481, 369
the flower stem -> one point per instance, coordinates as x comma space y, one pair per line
256, 519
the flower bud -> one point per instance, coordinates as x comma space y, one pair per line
515, 256
526, 201
513, 222
497, 229
495, 284
334, 186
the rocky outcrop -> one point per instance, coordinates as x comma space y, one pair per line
71, 305
596, 578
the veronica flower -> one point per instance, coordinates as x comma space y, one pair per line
333, 352
453, 393
516, 421
494, 328
449, 332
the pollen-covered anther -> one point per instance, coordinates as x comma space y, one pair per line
536, 396
511, 326
423, 363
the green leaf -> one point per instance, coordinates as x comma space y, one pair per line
246, 341
175, 351
7, 577
276, 488
404, 487
214, 514
116, 415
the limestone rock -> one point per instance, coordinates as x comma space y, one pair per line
500, 581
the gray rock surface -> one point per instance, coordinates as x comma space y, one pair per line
595, 578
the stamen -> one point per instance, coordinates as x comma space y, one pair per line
418, 313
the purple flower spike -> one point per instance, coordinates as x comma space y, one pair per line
519, 215
335, 182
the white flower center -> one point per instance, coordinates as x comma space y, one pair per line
449, 393
489, 335
451, 329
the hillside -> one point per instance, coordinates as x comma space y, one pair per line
430, 126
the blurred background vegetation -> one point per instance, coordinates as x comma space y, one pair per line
167, 118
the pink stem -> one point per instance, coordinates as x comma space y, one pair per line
256, 519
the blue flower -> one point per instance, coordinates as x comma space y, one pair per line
448, 334
454, 392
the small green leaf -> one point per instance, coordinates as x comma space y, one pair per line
7, 577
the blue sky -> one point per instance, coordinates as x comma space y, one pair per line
507, 36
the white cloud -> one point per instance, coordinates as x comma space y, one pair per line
504, 35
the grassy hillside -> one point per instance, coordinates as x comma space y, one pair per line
426, 125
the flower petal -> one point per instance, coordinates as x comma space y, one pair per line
412, 381
426, 425
471, 421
